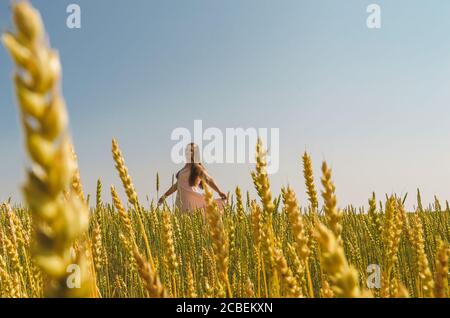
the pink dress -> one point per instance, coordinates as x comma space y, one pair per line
190, 198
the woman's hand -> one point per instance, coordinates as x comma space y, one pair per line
223, 196
161, 200
169, 192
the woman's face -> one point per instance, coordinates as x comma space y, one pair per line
192, 154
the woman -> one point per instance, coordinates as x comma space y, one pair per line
189, 184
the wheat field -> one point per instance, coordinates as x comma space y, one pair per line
60, 243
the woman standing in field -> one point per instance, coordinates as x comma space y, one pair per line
189, 184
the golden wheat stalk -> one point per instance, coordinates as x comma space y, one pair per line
97, 248
441, 276
7, 289
262, 185
286, 275
344, 278
392, 231
123, 174
149, 277
301, 239
309, 183
261, 179
219, 238
131, 194
373, 216
58, 222
325, 290
191, 284
239, 205
77, 186
333, 215
126, 220
424, 271
298, 227
168, 239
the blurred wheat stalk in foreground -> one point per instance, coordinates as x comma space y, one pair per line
276, 248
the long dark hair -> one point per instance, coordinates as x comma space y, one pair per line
196, 168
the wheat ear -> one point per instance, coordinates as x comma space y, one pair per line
58, 222
261, 179
424, 271
126, 220
333, 215
441, 276
301, 239
343, 277
150, 278
168, 239
309, 183
131, 194
239, 205
219, 238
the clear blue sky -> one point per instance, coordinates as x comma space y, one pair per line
373, 103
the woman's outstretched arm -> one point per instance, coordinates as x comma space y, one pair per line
210, 181
169, 192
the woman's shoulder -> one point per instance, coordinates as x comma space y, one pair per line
182, 171
205, 173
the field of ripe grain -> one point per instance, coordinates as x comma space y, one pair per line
252, 250
54, 245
